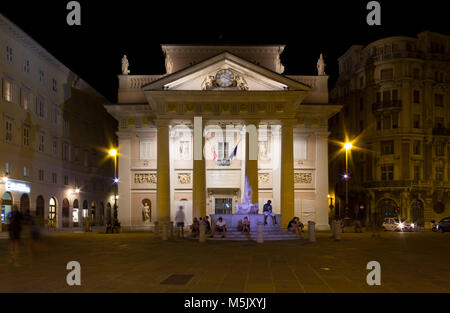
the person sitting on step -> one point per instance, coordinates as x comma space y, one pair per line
246, 225
267, 210
221, 226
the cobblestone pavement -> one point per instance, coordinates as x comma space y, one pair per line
137, 262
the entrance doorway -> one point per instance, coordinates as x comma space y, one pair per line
52, 214
7, 202
24, 203
387, 207
223, 205
417, 214
40, 210
75, 212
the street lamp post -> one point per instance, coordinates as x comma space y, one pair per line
347, 147
113, 153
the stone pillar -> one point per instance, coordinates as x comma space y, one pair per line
322, 220
163, 172
251, 152
124, 187
276, 159
199, 174
287, 172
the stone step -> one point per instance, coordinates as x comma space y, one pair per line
267, 236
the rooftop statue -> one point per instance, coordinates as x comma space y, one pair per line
321, 66
246, 206
125, 64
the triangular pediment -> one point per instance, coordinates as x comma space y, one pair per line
246, 76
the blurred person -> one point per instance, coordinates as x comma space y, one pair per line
246, 225
195, 227
180, 218
15, 229
208, 225
221, 226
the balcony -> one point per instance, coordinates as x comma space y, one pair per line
223, 162
388, 184
387, 105
441, 131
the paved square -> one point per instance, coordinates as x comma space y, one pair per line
136, 262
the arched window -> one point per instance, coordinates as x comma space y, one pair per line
75, 213
65, 213
24, 203
52, 213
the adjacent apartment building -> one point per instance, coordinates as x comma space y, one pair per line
54, 137
395, 93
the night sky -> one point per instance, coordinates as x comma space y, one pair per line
112, 28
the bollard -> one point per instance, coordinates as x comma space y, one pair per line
259, 233
156, 229
165, 231
171, 230
202, 236
337, 231
312, 231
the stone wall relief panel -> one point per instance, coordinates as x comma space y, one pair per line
304, 179
143, 180
264, 180
183, 179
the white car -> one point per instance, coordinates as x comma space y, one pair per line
394, 224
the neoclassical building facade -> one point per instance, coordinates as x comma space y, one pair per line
395, 97
220, 114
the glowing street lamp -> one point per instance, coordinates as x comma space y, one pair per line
113, 153
347, 146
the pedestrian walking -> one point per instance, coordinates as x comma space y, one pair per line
180, 218
15, 229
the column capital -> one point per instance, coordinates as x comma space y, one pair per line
289, 122
162, 123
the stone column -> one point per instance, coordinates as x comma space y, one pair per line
199, 179
276, 159
322, 220
251, 152
163, 172
287, 172
124, 187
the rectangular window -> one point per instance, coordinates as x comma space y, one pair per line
55, 147
387, 172
222, 148
25, 98
26, 171
439, 100
416, 96
9, 54
378, 122
54, 178
416, 73
395, 120
439, 148
26, 136
66, 180
66, 125
65, 151
416, 147
41, 76
394, 95
7, 169
439, 173
7, 90
416, 172
387, 147
26, 66
55, 113
145, 150
41, 142
40, 107
54, 85
8, 129
41, 175
416, 120
361, 104
387, 74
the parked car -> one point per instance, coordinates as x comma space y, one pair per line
443, 225
394, 224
